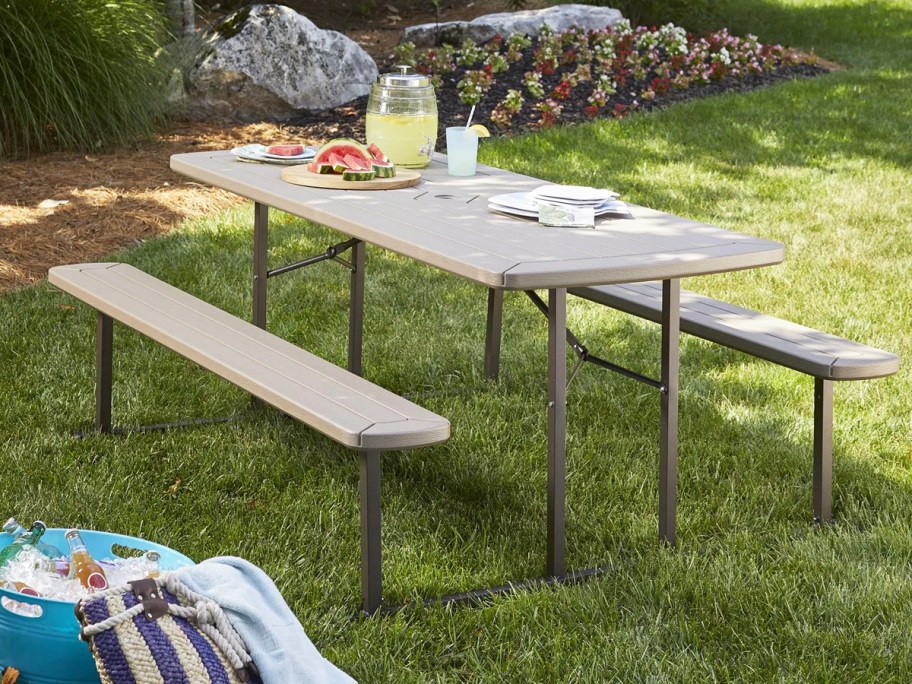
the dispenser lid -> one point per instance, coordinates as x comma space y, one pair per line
404, 79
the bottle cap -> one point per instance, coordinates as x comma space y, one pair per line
403, 79
72, 533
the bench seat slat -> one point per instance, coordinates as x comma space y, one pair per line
345, 407
783, 342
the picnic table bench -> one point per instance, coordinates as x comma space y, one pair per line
345, 407
827, 358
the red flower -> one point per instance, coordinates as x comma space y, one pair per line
591, 111
561, 91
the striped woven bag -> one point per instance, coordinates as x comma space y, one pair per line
158, 630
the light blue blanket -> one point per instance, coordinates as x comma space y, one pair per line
275, 639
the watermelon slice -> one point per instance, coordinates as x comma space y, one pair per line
357, 175
320, 168
383, 169
377, 153
336, 162
357, 163
341, 147
286, 150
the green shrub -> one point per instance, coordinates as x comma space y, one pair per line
76, 74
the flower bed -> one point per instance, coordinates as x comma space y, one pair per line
521, 82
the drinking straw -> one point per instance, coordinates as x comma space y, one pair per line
469, 120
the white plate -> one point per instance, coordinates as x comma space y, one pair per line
257, 153
523, 202
511, 211
614, 208
573, 194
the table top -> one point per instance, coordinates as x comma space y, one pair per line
445, 222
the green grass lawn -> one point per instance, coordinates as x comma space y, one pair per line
754, 592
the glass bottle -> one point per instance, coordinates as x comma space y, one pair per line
89, 573
57, 566
153, 564
15, 530
20, 544
21, 587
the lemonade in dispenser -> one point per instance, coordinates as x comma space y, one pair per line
402, 117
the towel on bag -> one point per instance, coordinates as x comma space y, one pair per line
273, 636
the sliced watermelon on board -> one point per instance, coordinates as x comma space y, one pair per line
383, 169
377, 153
313, 167
341, 147
356, 163
357, 175
337, 162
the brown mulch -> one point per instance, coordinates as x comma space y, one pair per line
113, 199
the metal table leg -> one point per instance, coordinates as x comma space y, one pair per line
823, 450
371, 576
668, 430
493, 335
104, 375
356, 308
557, 430
260, 275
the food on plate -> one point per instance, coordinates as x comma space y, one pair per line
285, 150
352, 160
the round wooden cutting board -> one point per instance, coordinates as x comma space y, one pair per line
299, 175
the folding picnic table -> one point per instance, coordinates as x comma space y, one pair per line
445, 222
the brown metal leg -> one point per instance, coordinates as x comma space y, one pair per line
104, 371
493, 335
260, 248
371, 577
356, 308
823, 450
668, 431
557, 430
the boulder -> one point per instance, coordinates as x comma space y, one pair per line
485, 27
268, 62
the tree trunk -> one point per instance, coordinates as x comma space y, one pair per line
180, 15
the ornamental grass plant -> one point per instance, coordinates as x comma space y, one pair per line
78, 74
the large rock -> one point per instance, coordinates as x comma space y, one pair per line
483, 28
268, 61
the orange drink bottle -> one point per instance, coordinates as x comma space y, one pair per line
84, 568
21, 587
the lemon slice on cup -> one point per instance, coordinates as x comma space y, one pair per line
480, 131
